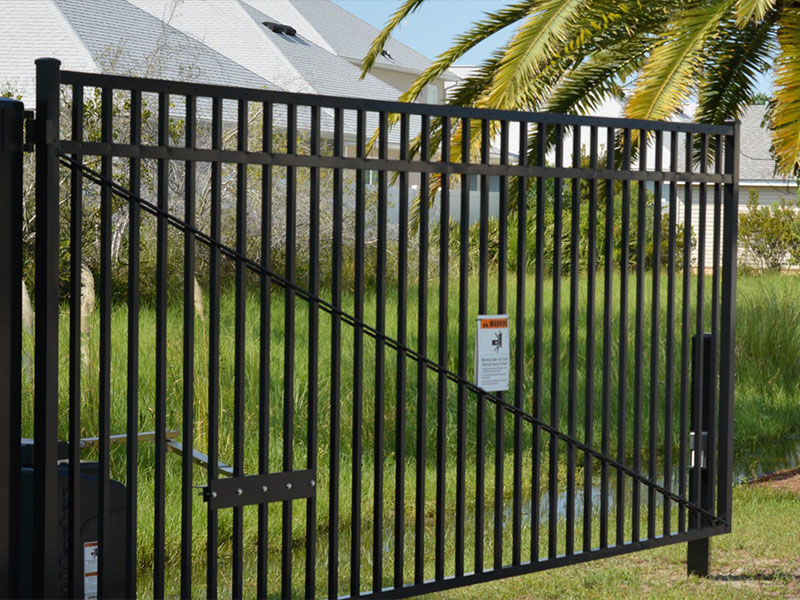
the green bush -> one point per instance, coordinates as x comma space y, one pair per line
566, 233
771, 234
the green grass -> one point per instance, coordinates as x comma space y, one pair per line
767, 354
761, 558
767, 404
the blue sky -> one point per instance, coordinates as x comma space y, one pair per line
431, 29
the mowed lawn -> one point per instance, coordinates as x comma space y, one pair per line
760, 559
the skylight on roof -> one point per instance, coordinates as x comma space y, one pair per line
280, 28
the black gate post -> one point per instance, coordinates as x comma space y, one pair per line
703, 496
45, 430
727, 333
11, 145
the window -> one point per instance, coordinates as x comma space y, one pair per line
431, 94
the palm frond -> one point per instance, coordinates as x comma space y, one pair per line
671, 71
546, 33
481, 30
379, 42
786, 97
735, 60
752, 10
599, 77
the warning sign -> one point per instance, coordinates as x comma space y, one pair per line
492, 353
90, 567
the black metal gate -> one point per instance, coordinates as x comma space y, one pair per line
288, 288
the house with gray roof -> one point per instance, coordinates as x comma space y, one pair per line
342, 33
303, 46
310, 46
106, 36
757, 174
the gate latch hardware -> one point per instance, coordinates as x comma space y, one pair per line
703, 449
257, 489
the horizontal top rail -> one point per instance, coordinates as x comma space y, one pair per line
378, 164
185, 88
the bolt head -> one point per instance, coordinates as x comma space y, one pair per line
213, 494
313, 483
288, 486
238, 491
264, 489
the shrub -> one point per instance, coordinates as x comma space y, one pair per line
566, 233
770, 234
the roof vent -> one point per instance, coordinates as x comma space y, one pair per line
280, 28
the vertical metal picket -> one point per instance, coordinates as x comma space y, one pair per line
11, 144
728, 326
45, 496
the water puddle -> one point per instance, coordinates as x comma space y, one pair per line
773, 456
748, 464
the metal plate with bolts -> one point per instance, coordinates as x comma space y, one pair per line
257, 489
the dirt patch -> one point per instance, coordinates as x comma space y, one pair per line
784, 480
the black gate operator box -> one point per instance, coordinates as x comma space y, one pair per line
113, 556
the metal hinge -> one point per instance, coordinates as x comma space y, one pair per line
258, 489
30, 117
38, 131
703, 449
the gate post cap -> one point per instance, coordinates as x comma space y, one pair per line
47, 59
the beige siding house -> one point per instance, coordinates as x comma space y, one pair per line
756, 174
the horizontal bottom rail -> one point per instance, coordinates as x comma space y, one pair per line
543, 565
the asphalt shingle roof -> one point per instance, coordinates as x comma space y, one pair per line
332, 27
324, 72
755, 158
125, 39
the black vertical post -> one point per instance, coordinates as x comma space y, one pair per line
104, 363
463, 318
519, 348
11, 119
162, 247
132, 395
555, 353
289, 321
75, 553
422, 350
443, 322
380, 361
336, 363
608, 252
701, 412
728, 325
402, 316
213, 346
240, 320
45, 511
188, 355
313, 357
591, 289
669, 370
265, 344
358, 364
538, 342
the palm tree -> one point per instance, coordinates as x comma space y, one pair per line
567, 55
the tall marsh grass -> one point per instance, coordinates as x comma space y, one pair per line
767, 397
